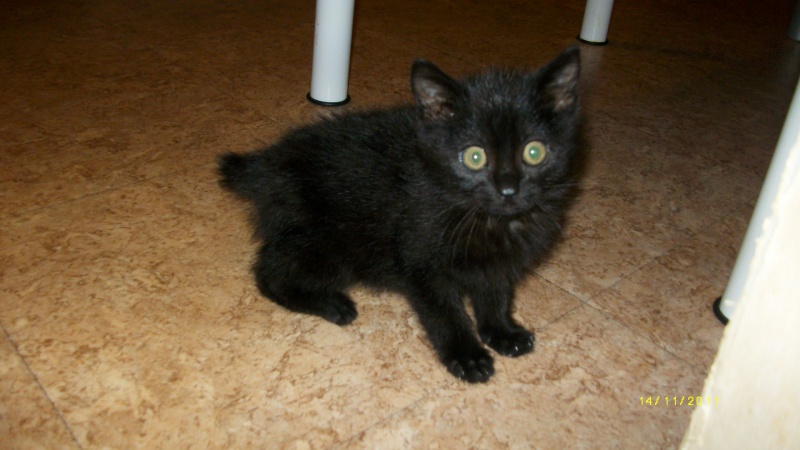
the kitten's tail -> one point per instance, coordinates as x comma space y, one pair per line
239, 174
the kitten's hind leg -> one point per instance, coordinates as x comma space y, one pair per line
301, 291
334, 307
496, 326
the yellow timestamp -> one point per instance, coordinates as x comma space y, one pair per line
683, 400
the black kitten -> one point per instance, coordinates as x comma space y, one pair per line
457, 196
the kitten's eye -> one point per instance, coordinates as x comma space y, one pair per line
535, 152
473, 157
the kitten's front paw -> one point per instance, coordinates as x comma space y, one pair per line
512, 343
477, 367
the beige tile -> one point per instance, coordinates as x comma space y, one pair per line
176, 25
61, 162
376, 80
385, 77
731, 120
639, 197
597, 249
698, 36
485, 33
27, 417
580, 389
540, 302
43, 34
66, 59
635, 201
669, 300
18, 128
730, 109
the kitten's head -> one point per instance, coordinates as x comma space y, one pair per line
501, 141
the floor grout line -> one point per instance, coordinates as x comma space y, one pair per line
35, 378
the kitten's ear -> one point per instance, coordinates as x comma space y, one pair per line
558, 82
434, 91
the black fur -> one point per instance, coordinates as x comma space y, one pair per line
383, 198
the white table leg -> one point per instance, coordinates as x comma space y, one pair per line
332, 38
596, 17
764, 209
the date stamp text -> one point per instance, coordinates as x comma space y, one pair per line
675, 400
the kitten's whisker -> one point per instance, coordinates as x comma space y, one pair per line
471, 229
446, 228
561, 185
469, 216
451, 243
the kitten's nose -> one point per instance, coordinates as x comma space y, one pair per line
508, 191
507, 185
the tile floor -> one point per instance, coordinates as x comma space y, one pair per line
129, 318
